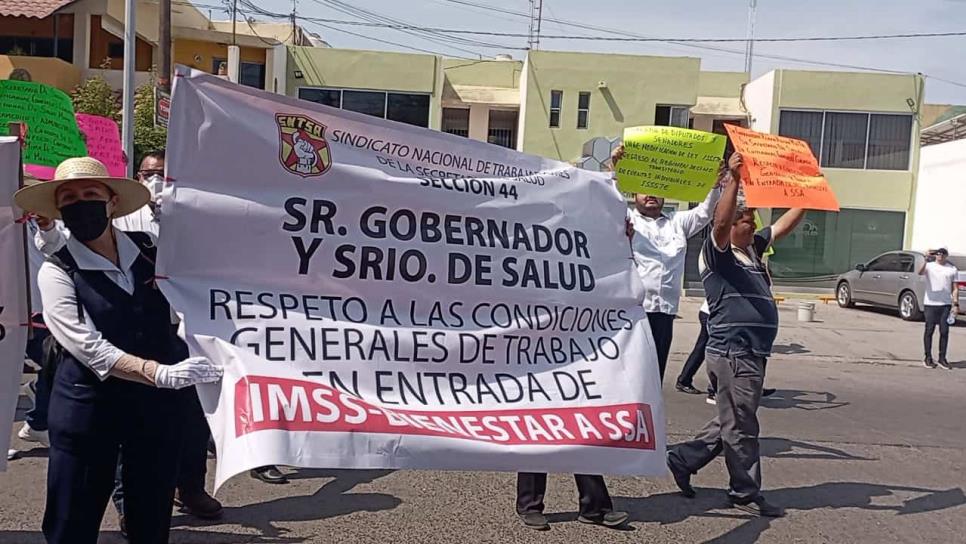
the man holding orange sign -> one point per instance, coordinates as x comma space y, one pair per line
742, 327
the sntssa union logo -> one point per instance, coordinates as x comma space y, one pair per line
302, 148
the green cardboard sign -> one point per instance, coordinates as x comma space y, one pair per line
52, 133
670, 162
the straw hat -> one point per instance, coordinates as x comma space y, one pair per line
40, 198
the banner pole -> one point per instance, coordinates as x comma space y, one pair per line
16, 129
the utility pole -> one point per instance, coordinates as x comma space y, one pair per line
164, 45
234, 53
536, 18
127, 106
294, 23
750, 44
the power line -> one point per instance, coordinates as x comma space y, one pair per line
383, 41
629, 39
452, 42
683, 44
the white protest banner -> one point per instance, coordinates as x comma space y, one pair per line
14, 312
373, 311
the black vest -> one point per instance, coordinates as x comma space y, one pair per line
137, 323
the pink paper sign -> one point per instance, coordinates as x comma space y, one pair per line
103, 142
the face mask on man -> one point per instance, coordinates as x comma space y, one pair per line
86, 219
155, 184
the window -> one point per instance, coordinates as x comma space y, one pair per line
854, 140
367, 102
583, 109
252, 75
49, 37
907, 262
556, 103
329, 97
672, 116
456, 121
889, 142
826, 244
407, 108
503, 128
803, 125
843, 141
412, 109
887, 263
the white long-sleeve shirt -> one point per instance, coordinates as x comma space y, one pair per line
82, 339
659, 246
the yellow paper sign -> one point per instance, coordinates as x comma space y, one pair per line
670, 162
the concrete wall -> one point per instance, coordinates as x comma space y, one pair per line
760, 101
939, 198
185, 52
491, 73
846, 91
721, 83
376, 70
53, 72
635, 85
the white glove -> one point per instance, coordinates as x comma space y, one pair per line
191, 371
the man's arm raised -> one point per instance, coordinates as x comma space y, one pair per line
724, 212
786, 223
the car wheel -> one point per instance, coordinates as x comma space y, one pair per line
843, 294
909, 307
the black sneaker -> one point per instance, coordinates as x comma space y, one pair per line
928, 362
535, 521
612, 520
711, 399
760, 507
269, 474
687, 388
682, 479
768, 391
943, 363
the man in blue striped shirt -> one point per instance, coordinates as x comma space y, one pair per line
741, 330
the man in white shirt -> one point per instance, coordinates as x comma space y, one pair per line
941, 298
659, 242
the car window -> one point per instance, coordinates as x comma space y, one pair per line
886, 263
906, 262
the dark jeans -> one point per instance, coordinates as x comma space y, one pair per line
734, 429
662, 329
936, 315
193, 463
89, 423
594, 498
696, 359
36, 417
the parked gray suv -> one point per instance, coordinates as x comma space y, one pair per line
892, 280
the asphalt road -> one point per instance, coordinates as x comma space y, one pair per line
861, 444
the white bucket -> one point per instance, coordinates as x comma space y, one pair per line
806, 311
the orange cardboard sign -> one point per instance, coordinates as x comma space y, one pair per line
780, 172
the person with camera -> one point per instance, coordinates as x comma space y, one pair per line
941, 303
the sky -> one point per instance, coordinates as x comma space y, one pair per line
936, 57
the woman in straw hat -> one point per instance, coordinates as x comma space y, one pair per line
121, 366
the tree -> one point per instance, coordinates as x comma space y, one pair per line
96, 97
147, 136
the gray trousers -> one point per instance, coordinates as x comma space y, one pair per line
734, 429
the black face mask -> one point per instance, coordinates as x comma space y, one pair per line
86, 219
